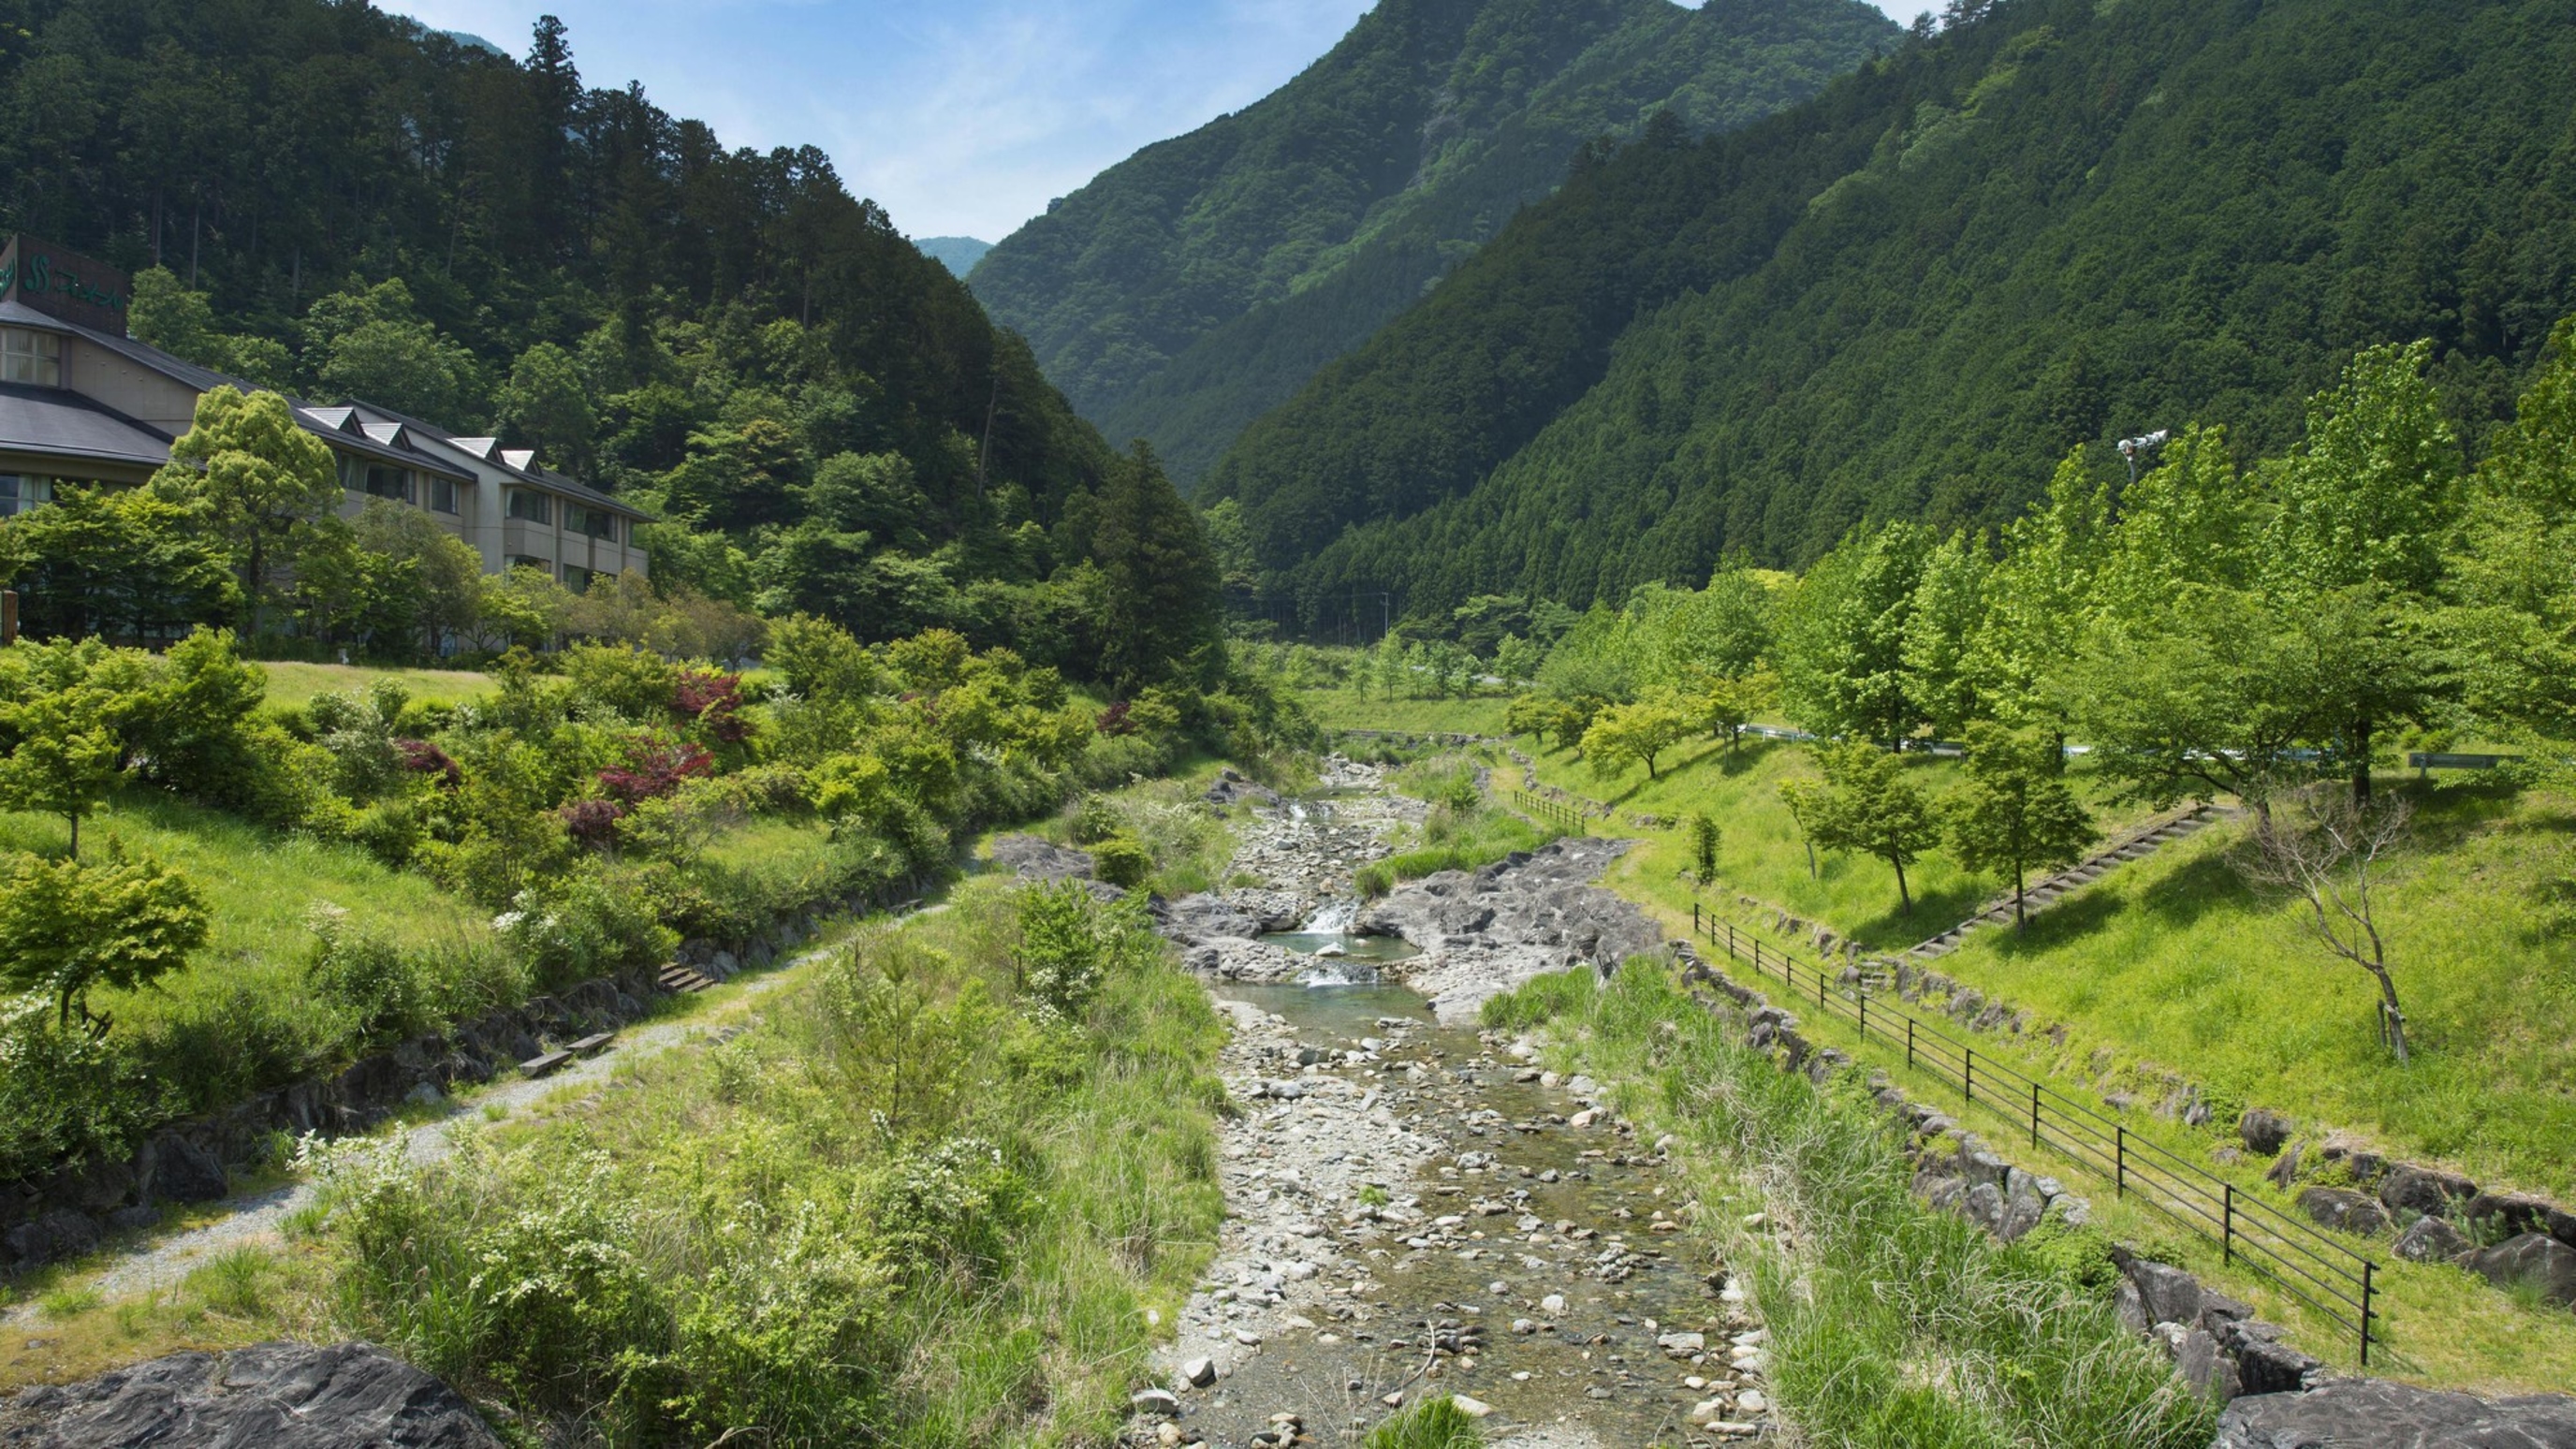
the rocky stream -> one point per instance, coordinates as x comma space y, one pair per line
1416, 1207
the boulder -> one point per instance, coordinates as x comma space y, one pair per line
275, 1395
178, 1170
2166, 1294
2197, 1359
1030, 858
2263, 1131
2345, 1212
2534, 1258
2267, 1366
2498, 1217
2376, 1414
2286, 1171
2422, 1190
53, 1237
2432, 1240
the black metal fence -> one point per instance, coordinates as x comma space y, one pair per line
1555, 812
2315, 1269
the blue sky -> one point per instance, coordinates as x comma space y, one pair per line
961, 117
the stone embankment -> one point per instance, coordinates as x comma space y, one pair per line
2278, 1397
273, 1396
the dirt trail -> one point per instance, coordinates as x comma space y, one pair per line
1418, 1208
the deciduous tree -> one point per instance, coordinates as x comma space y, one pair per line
2016, 813
1869, 806
67, 927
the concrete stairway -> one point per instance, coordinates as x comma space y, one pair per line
2137, 844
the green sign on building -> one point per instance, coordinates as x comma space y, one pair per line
62, 283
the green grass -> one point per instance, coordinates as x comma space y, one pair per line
1431, 1424
294, 684
1348, 709
1760, 850
2175, 962
2445, 1326
760, 1215
261, 886
1890, 1323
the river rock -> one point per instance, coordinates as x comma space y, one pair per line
2263, 1131
274, 1396
2347, 1212
2422, 1190
2432, 1240
1030, 858
2533, 1258
2376, 1414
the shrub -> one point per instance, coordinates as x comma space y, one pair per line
1122, 860
62, 1092
1373, 881
364, 975
1096, 819
1431, 1424
588, 922
1061, 955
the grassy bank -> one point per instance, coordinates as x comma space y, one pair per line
938, 1190
2436, 1324
1352, 709
1889, 1323
2174, 964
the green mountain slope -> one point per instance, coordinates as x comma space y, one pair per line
958, 254
1191, 287
2067, 221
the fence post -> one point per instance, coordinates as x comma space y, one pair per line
1909, 1043
1968, 1078
2119, 1161
1820, 989
2227, 1223
2366, 1267
1694, 920
2034, 1114
1864, 1013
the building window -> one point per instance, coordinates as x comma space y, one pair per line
577, 579
19, 493
522, 561
393, 483
442, 496
529, 506
35, 357
592, 522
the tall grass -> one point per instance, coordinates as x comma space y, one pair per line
1890, 1323
908, 1207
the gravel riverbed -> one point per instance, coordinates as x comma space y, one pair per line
1416, 1207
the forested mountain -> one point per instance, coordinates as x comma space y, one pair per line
326, 198
1189, 288
958, 254
2057, 222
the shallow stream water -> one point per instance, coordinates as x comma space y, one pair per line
1524, 1269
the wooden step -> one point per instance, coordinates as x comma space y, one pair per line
545, 1065
591, 1045
683, 979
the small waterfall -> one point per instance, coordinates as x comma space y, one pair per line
1340, 974
1332, 918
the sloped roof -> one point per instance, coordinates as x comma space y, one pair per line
520, 462
49, 420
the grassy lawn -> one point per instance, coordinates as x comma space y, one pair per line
2174, 964
2174, 960
1350, 709
262, 885
293, 683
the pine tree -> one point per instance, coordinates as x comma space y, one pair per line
1164, 594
